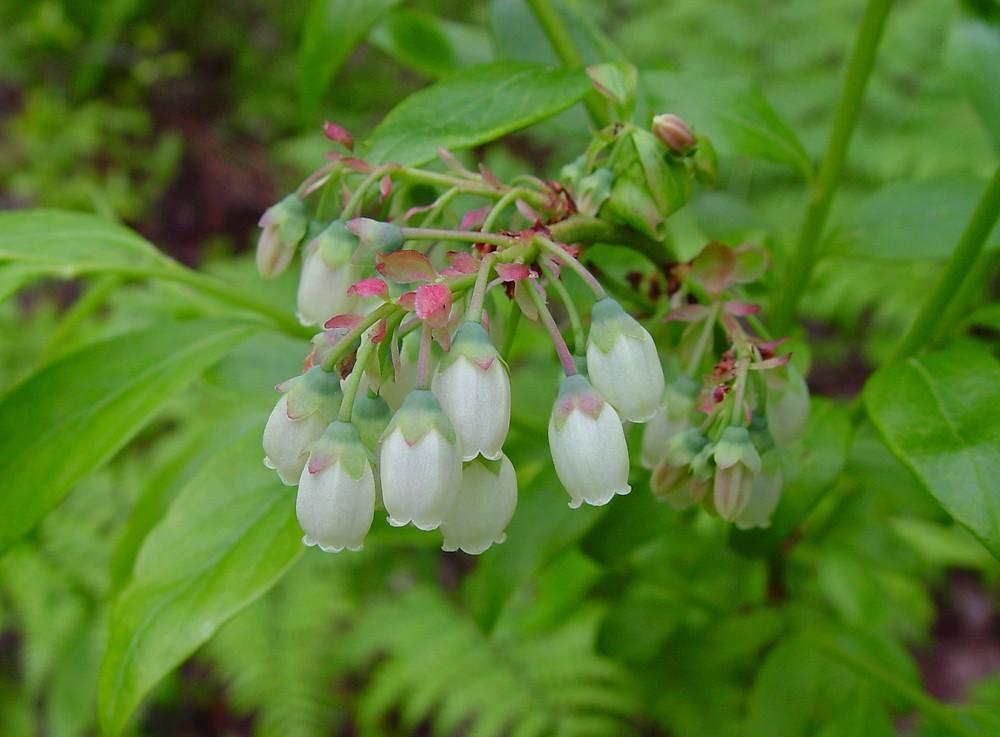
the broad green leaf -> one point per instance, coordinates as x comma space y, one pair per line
973, 55
735, 115
332, 29
786, 690
73, 415
911, 220
517, 34
13, 276
430, 45
65, 244
473, 107
228, 537
810, 471
862, 716
940, 415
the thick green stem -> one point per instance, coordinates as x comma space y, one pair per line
463, 236
354, 380
825, 185
345, 344
966, 252
475, 311
555, 30
510, 331
585, 229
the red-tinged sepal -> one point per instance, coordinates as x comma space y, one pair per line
405, 267
432, 303
370, 287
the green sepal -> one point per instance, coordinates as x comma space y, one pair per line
371, 415
576, 392
735, 446
314, 391
336, 244
473, 343
291, 219
684, 447
593, 191
340, 443
609, 322
493, 467
420, 413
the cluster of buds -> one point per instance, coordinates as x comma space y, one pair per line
405, 400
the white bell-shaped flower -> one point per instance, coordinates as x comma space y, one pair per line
420, 465
765, 493
336, 498
327, 272
787, 404
623, 363
309, 403
484, 505
587, 443
472, 384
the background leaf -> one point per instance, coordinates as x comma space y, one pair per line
973, 55
911, 220
73, 415
940, 415
332, 29
431, 45
472, 107
229, 536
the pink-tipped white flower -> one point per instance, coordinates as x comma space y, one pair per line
587, 443
737, 462
472, 384
327, 273
419, 463
283, 226
623, 363
336, 498
309, 403
484, 505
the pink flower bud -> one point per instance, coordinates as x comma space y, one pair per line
673, 133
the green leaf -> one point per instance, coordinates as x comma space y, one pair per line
472, 107
940, 415
13, 276
907, 220
66, 244
431, 45
332, 29
72, 416
735, 115
517, 35
229, 536
973, 56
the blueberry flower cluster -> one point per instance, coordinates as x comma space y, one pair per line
405, 400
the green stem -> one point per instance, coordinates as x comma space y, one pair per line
354, 380
513, 320
703, 340
555, 30
498, 209
574, 265
579, 342
969, 246
358, 197
464, 236
475, 311
825, 184
344, 346
585, 229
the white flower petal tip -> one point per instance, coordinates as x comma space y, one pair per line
393, 522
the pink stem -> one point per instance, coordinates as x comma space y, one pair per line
423, 359
562, 350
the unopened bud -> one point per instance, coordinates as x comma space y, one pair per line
736, 463
284, 225
674, 133
375, 235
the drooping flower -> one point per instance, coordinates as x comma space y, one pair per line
335, 504
765, 493
587, 443
672, 417
623, 363
787, 404
326, 275
673, 478
484, 505
420, 463
308, 404
472, 384
284, 226
737, 462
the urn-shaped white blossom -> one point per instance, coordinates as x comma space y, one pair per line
283, 226
473, 387
420, 464
623, 363
672, 417
765, 493
737, 462
484, 505
787, 404
308, 404
327, 272
587, 443
336, 498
